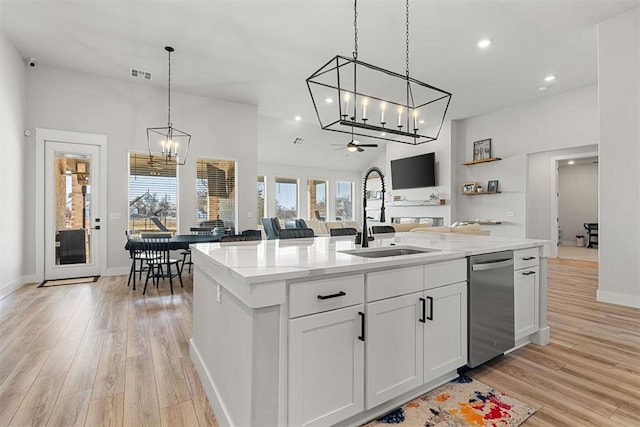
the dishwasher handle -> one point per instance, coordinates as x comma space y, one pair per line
492, 265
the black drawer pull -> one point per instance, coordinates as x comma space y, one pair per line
430, 317
528, 273
528, 258
339, 294
361, 337
424, 310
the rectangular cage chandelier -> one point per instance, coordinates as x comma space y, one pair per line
357, 98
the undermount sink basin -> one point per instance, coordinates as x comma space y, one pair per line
387, 251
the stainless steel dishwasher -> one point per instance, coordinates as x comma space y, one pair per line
491, 317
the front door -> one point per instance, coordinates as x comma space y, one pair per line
72, 223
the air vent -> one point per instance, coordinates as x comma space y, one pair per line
139, 74
298, 140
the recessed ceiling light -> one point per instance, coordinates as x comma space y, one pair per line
298, 118
383, 134
571, 162
484, 43
329, 100
550, 78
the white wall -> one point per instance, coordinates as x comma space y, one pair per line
302, 173
566, 120
12, 125
578, 201
122, 110
619, 109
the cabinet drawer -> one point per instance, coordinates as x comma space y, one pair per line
391, 283
445, 273
327, 294
525, 258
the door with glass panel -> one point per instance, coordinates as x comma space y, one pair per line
72, 230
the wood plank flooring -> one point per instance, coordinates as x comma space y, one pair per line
101, 354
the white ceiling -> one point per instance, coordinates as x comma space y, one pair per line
261, 51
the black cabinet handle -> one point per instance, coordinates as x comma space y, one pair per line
430, 317
424, 310
528, 258
361, 337
339, 294
528, 273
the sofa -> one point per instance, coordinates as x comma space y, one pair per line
321, 228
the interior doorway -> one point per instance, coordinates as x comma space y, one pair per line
72, 208
576, 205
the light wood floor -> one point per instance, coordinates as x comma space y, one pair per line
101, 354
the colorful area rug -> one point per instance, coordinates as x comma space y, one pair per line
74, 281
461, 402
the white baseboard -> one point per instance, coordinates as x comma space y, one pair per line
627, 300
6, 289
116, 271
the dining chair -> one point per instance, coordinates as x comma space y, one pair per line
345, 231
137, 256
159, 261
295, 233
380, 229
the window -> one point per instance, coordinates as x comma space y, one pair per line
344, 200
317, 199
261, 197
153, 194
286, 198
215, 192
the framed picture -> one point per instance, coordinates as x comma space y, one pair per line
482, 149
81, 167
468, 187
492, 186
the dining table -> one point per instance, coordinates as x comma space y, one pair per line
176, 242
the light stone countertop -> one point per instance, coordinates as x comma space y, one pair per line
276, 260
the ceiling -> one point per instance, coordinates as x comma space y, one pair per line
260, 52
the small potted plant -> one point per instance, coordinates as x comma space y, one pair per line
479, 189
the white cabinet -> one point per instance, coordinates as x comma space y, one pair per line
526, 282
414, 338
326, 367
394, 346
445, 330
526, 290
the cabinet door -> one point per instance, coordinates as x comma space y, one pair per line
526, 289
394, 348
326, 367
445, 332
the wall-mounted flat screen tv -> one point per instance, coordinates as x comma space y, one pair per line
414, 172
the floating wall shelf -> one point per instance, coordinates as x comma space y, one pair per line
475, 162
416, 203
481, 193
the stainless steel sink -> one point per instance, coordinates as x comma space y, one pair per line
387, 251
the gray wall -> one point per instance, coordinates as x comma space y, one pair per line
619, 97
12, 125
122, 110
578, 201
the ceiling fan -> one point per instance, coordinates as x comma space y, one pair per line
354, 146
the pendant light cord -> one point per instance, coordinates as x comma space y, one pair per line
355, 29
169, 92
407, 40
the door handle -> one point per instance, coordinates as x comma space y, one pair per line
528, 273
361, 337
97, 227
424, 310
430, 317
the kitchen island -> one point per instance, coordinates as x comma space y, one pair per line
302, 332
